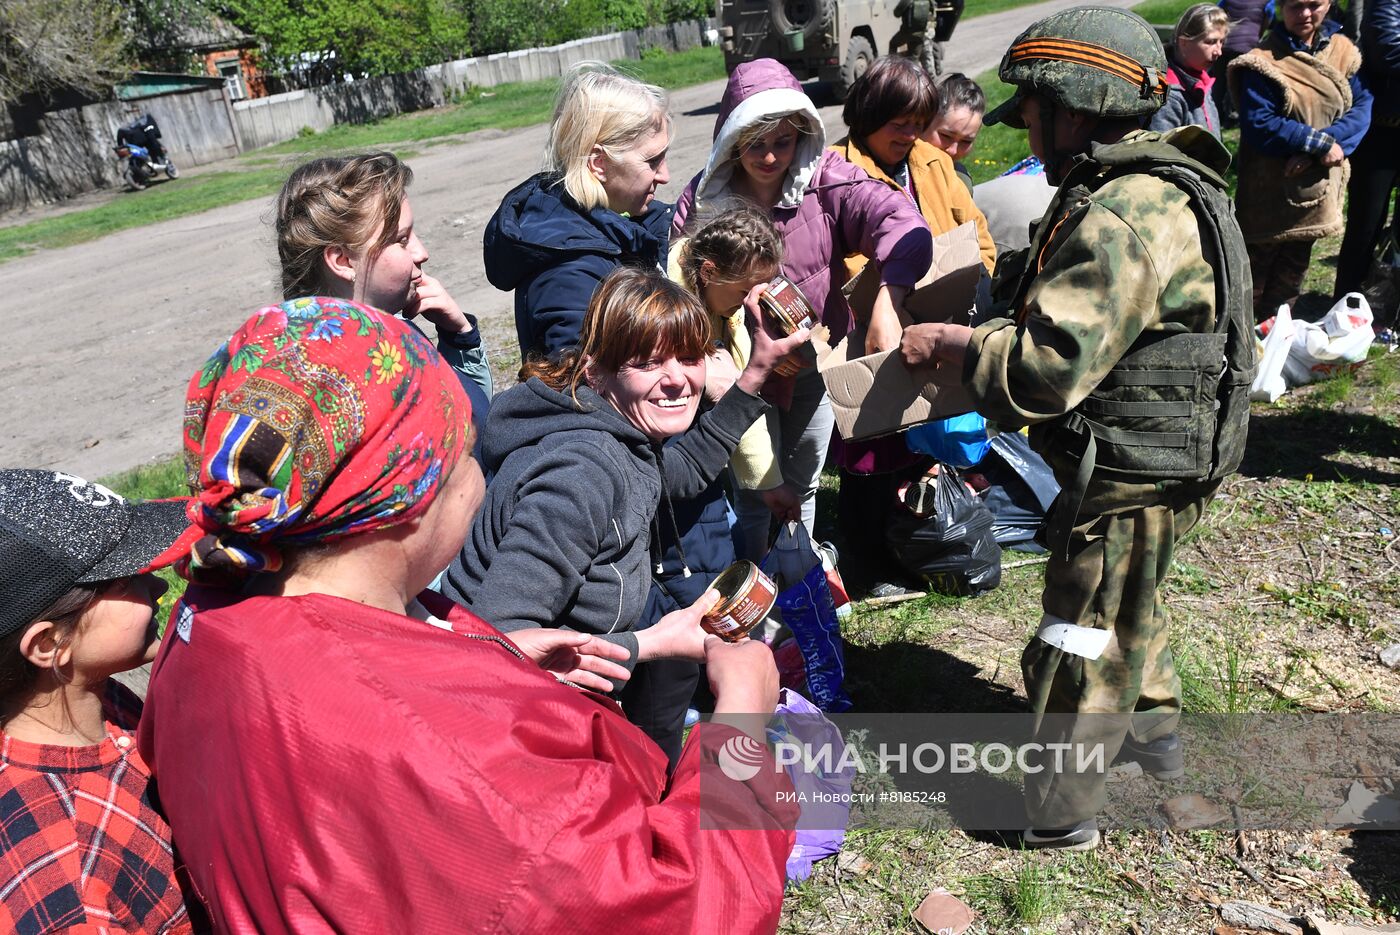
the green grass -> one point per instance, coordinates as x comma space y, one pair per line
263, 171
159, 203
1163, 12
155, 481
502, 107
158, 480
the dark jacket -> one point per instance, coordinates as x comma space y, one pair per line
1248, 18
1380, 59
563, 538
554, 254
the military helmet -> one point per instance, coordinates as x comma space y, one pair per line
1095, 60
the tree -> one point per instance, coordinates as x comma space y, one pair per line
163, 31
50, 46
353, 37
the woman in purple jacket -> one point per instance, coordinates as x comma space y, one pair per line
770, 149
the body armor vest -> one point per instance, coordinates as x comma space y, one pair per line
1176, 406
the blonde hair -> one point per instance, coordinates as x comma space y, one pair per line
339, 200
1199, 20
599, 106
635, 313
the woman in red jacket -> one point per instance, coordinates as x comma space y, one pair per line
337, 752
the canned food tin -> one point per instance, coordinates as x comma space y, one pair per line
786, 304
746, 595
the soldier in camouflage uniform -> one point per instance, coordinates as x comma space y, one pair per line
917, 22
1127, 349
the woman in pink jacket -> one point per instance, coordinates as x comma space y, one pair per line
770, 150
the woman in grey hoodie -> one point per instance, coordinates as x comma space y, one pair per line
565, 535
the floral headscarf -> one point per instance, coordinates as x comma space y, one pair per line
320, 418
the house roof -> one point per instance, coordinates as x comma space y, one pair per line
211, 35
153, 83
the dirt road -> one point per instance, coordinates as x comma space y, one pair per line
102, 337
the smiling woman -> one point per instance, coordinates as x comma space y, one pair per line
566, 535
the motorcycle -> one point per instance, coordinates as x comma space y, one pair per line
141, 166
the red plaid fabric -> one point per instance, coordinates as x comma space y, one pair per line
81, 848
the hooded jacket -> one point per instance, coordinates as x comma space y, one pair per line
563, 538
828, 210
554, 254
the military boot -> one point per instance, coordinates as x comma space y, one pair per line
1160, 758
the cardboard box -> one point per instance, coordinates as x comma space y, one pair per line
876, 394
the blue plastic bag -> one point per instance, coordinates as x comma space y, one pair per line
957, 440
807, 608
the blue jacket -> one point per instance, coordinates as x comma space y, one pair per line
1380, 58
554, 254
1264, 126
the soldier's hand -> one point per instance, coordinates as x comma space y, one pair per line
930, 345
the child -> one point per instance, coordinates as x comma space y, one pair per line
725, 259
769, 148
82, 845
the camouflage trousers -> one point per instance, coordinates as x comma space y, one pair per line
1109, 581
922, 49
1278, 270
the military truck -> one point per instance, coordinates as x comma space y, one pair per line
833, 41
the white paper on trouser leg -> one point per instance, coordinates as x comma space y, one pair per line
1089, 642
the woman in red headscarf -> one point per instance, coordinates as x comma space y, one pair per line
337, 752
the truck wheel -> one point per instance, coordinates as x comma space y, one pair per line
859, 55
809, 17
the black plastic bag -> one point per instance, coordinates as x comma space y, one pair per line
1021, 489
942, 533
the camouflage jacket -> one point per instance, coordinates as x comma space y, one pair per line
1114, 265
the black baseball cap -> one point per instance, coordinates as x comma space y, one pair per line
58, 530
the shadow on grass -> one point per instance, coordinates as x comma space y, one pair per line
1297, 443
911, 678
900, 677
1375, 855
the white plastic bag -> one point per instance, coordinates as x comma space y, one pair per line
1268, 383
1338, 342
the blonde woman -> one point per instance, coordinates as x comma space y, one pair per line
560, 232
1197, 44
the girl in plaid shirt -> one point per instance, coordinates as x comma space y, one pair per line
81, 847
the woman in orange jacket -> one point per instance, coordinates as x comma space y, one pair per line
886, 111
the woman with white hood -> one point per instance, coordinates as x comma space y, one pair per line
770, 149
